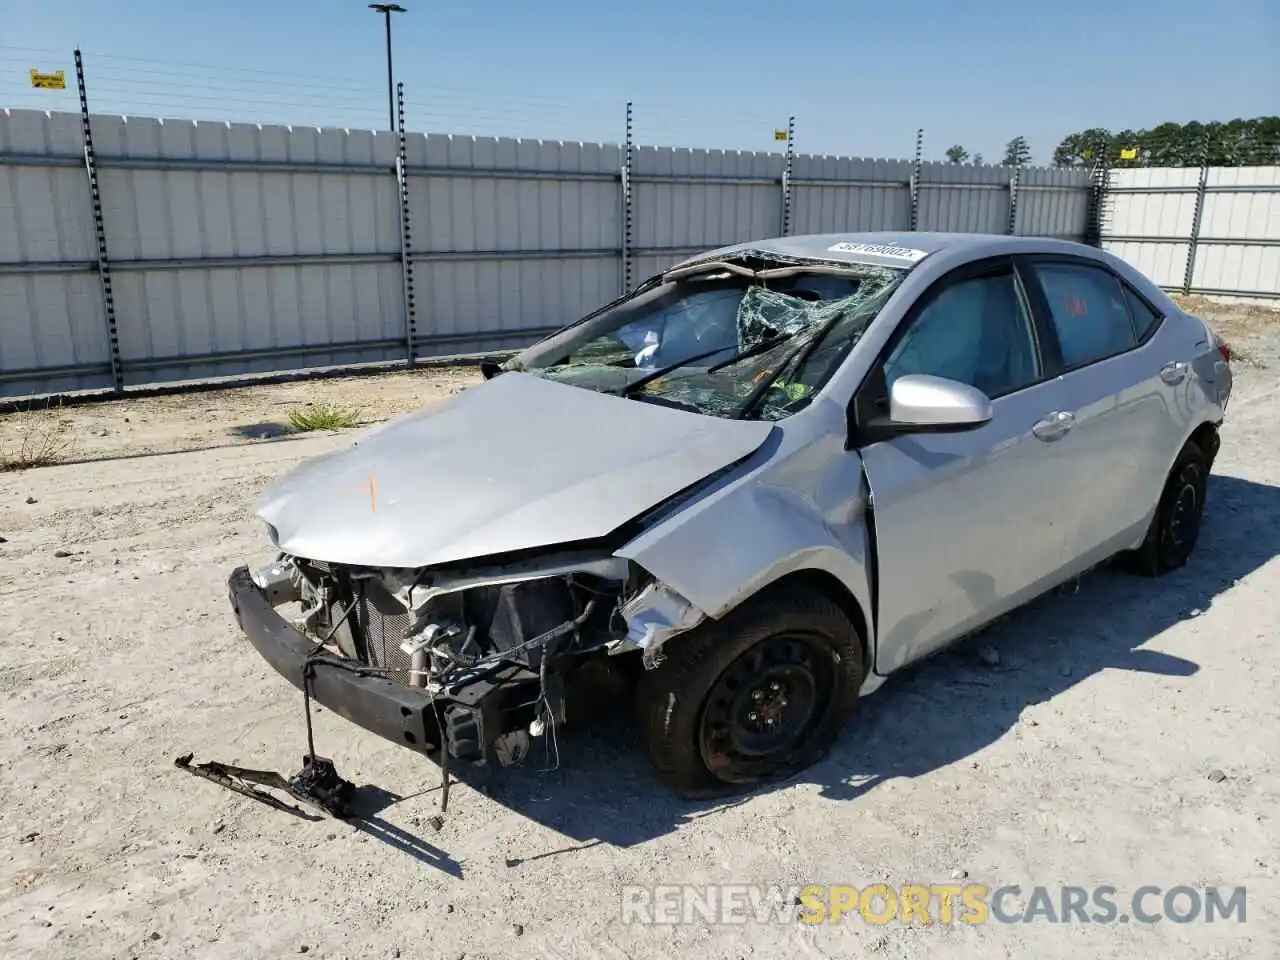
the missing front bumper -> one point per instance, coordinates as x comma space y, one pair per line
389, 709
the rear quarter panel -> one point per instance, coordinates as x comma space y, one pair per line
1189, 338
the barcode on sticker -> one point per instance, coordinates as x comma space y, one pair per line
879, 250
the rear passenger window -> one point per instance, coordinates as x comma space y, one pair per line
1144, 318
1088, 309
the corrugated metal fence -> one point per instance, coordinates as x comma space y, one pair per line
1206, 230
209, 249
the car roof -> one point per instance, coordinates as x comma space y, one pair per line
885, 248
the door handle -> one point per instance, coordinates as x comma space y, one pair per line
1175, 372
1054, 426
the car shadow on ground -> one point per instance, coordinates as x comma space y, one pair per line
369, 801
930, 716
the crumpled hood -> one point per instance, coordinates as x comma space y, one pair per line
513, 463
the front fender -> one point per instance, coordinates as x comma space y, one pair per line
804, 512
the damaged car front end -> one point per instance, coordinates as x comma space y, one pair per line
441, 581
472, 660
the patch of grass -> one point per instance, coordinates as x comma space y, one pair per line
321, 417
34, 438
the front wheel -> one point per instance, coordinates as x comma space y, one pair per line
757, 695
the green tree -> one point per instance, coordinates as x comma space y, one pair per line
1163, 145
1236, 142
957, 154
1081, 149
977, 159
1017, 153
1260, 142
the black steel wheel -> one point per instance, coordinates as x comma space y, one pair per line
1175, 526
765, 705
759, 694
1181, 529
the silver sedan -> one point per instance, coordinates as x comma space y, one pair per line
753, 488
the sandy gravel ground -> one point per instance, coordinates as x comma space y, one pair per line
1124, 734
208, 419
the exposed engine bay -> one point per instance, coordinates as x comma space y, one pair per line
493, 648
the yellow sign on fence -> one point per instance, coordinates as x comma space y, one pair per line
780, 135
48, 81
1128, 153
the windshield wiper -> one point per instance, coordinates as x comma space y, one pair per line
761, 347
662, 401
653, 375
795, 358
764, 346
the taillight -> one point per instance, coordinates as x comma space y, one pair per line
1224, 348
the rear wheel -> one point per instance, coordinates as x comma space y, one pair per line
758, 695
1175, 527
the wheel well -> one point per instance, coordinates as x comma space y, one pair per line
835, 591
1205, 437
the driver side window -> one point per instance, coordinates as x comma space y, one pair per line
976, 331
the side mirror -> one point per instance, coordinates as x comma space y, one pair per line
927, 403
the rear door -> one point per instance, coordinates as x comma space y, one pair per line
1124, 386
967, 525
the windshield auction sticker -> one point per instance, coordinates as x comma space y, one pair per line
879, 250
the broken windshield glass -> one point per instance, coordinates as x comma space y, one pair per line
709, 340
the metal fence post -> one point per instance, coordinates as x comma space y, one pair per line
626, 205
1100, 181
99, 229
1013, 200
786, 176
915, 181
1202, 185
406, 236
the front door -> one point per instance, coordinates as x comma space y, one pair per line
967, 525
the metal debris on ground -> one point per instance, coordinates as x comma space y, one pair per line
317, 784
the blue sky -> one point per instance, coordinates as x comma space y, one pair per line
859, 77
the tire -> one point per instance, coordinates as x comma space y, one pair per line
755, 696
1175, 526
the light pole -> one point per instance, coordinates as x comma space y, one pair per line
387, 9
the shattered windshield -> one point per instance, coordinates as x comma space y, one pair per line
722, 343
